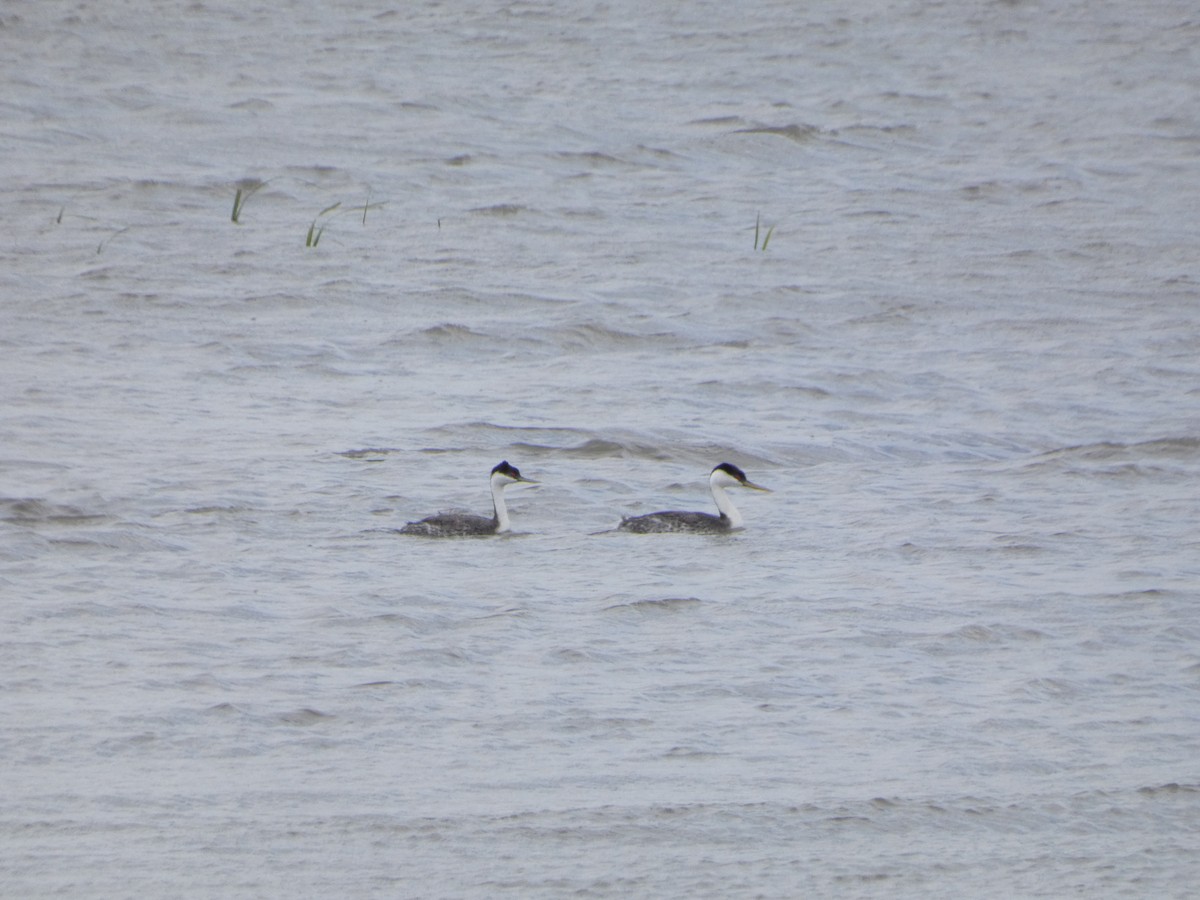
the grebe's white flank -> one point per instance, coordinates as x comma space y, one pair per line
725, 475
465, 525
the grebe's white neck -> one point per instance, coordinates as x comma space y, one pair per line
499, 483
717, 482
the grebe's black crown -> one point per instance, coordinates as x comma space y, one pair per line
505, 469
731, 469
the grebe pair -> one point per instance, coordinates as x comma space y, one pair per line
726, 475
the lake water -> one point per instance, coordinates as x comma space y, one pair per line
955, 653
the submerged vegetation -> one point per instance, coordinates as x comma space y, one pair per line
245, 191
248, 187
315, 231
104, 243
766, 238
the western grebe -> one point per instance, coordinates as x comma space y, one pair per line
466, 525
723, 476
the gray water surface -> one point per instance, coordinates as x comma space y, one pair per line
955, 653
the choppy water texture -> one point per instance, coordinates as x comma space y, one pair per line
955, 653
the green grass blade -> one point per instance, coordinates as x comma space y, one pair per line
247, 188
367, 206
104, 243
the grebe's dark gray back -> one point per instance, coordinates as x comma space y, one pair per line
722, 476
467, 525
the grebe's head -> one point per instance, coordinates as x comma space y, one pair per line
504, 474
729, 475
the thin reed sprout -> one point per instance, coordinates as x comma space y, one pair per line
766, 238
245, 191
